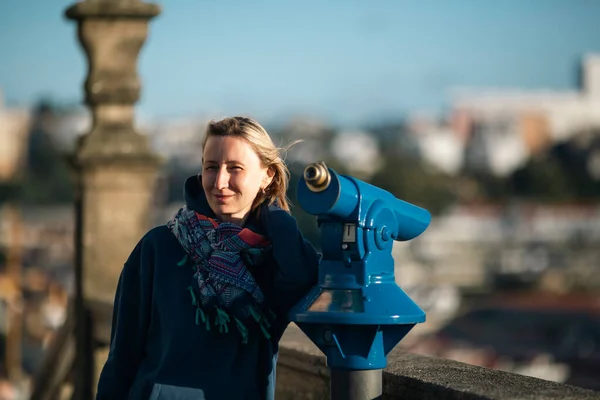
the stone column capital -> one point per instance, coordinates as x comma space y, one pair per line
112, 9
112, 32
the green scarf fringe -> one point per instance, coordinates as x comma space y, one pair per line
222, 319
183, 261
194, 301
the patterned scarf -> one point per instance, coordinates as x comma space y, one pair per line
223, 290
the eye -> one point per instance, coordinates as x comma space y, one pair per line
210, 167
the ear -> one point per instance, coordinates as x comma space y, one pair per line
268, 178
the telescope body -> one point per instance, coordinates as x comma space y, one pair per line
357, 313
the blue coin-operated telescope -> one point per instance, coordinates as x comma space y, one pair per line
357, 313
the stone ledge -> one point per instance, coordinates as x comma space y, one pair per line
302, 374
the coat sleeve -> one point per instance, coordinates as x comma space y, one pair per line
297, 262
130, 323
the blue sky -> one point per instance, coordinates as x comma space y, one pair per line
345, 61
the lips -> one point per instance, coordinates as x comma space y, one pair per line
222, 197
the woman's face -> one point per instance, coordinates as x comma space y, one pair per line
232, 176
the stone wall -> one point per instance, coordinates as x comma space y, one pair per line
303, 375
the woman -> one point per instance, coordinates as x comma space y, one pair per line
202, 301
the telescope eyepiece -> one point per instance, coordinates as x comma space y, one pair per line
311, 173
317, 176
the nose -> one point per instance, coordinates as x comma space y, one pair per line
222, 179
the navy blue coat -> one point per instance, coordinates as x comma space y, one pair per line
158, 352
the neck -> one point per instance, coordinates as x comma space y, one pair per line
232, 219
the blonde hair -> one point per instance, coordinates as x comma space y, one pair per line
269, 154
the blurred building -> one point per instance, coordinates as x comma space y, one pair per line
66, 125
47, 241
358, 152
14, 130
489, 247
177, 139
497, 130
36, 280
315, 137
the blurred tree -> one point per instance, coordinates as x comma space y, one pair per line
394, 138
542, 178
412, 180
566, 172
175, 174
3, 258
46, 178
9, 191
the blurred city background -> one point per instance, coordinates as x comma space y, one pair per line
485, 113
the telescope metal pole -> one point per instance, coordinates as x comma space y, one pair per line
356, 385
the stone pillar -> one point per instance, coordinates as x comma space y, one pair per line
116, 169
